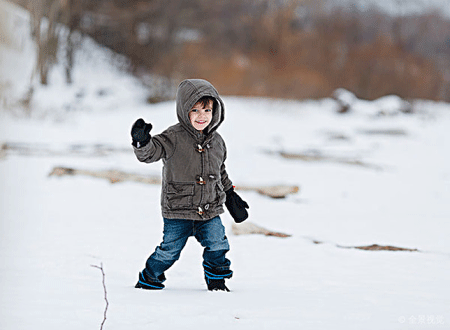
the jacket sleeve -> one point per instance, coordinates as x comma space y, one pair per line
226, 182
161, 146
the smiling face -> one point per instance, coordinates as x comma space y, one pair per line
201, 115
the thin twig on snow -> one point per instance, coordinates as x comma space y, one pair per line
104, 290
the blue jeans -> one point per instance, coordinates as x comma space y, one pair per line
210, 234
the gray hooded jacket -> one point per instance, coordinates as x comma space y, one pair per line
194, 179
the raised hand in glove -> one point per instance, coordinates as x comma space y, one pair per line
140, 132
236, 206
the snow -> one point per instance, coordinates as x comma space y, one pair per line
399, 7
54, 228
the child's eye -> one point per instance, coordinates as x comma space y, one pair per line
194, 110
208, 110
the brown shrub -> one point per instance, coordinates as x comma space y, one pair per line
295, 49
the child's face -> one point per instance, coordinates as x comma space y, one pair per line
200, 116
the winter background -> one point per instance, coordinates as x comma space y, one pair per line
54, 229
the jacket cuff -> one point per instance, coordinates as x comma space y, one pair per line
140, 144
229, 191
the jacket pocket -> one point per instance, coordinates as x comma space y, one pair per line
179, 195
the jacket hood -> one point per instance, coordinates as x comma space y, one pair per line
188, 93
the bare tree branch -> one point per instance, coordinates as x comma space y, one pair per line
114, 176
104, 290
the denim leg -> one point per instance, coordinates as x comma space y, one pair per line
176, 234
211, 235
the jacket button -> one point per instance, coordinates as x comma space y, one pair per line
206, 206
199, 148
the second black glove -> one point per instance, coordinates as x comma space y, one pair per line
236, 206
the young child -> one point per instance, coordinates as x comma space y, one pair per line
195, 184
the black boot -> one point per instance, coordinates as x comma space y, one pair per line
145, 283
216, 285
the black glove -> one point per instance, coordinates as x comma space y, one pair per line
140, 132
236, 206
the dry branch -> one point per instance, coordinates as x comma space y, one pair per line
74, 150
3, 149
376, 247
390, 132
318, 157
247, 228
115, 176
280, 191
105, 292
373, 247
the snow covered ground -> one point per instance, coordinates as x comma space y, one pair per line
400, 7
52, 229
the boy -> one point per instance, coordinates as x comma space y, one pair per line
195, 184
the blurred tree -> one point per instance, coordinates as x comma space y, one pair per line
45, 17
286, 48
